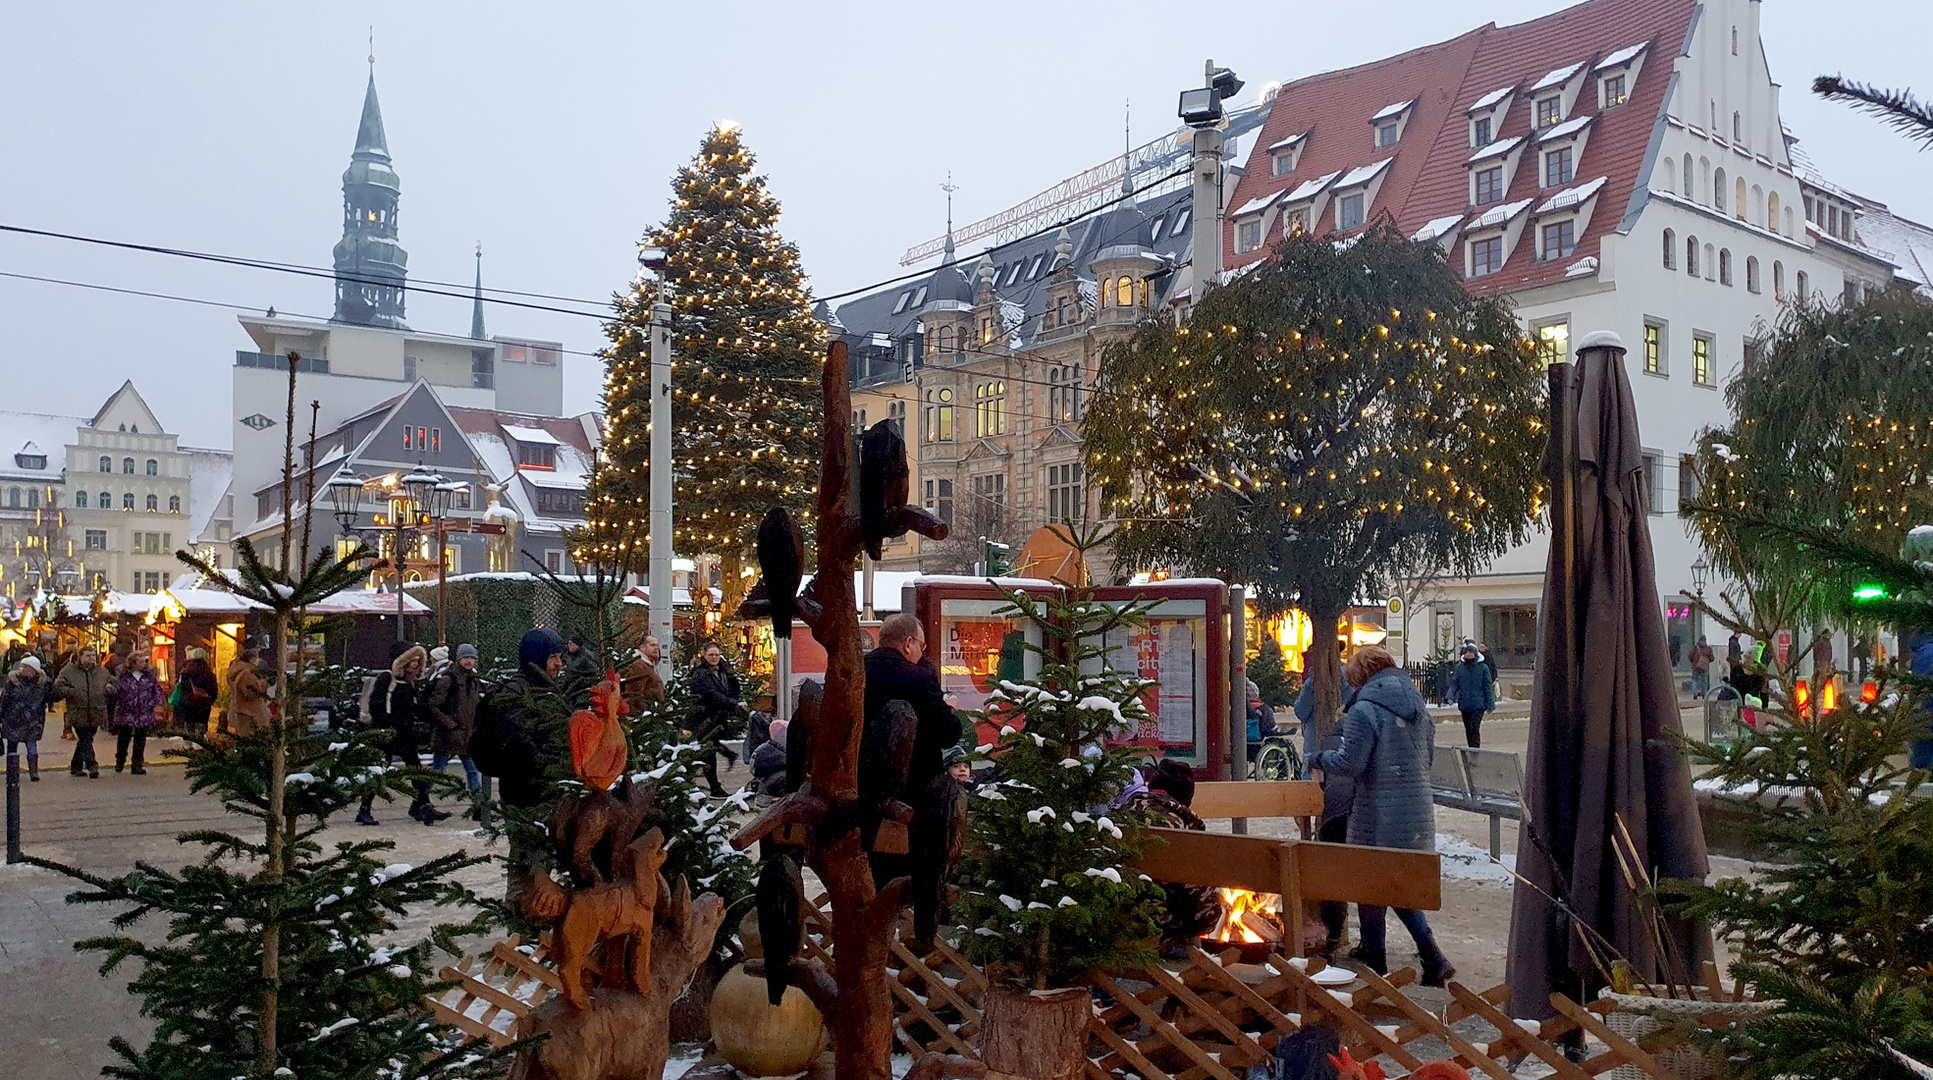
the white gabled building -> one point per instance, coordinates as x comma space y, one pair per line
1618, 165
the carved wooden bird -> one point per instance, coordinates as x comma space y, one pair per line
884, 484
1348, 1068
781, 556
933, 842
781, 900
798, 736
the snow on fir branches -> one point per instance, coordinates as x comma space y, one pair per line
1334, 409
1048, 893
744, 376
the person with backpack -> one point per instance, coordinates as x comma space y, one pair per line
396, 703
509, 744
453, 701
194, 694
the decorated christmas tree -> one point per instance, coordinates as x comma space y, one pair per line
744, 378
1048, 893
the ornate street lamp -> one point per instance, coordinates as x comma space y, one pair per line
1701, 573
345, 494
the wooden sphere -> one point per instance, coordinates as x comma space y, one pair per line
758, 1039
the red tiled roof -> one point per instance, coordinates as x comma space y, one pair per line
1427, 179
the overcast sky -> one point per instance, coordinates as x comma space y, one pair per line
549, 132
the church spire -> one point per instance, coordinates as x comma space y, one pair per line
476, 313
1127, 149
371, 267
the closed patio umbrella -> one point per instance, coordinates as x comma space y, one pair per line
1604, 711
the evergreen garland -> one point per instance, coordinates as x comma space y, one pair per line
1046, 892
745, 371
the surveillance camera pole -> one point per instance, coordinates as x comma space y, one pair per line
1207, 199
660, 576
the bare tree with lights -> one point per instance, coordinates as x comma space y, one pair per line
744, 375
1319, 424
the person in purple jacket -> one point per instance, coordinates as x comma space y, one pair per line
135, 702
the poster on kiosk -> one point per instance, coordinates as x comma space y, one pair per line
978, 642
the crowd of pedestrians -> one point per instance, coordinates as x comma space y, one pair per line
122, 694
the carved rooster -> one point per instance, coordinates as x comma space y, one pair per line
599, 749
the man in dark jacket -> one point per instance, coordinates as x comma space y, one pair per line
453, 707
894, 673
1474, 691
396, 702
719, 709
88, 690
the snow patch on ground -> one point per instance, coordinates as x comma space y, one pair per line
1468, 862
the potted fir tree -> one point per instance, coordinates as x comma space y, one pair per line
1048, 894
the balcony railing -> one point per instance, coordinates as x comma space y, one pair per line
280, 362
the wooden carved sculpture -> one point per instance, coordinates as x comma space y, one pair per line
854, 997
624, 940
599, 749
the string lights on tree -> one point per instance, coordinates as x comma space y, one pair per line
1332, 410
745, 372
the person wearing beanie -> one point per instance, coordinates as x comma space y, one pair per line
439, 663
23, 711
453, 699
768, 763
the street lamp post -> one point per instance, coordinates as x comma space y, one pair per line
440, 514
1701, 573
654, 259
417, 495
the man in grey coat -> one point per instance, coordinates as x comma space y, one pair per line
1388, 745
88, 689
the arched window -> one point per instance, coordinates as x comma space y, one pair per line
1772, 211
127, 500
1710, 264
107, 464
154, 467
13, 498
1671, 174
1758, 203
1734, 46
1802, 286
1687, 189
1738, 127
1704, 175
80, 500
946, 339
1124, 291
107, 501
127, 466
153, 504
1725, 267
33, 498
1751, 274
1144, 292
1778, 280
174, 504
1738, 199
1718, 189
1671, 250
1691, 255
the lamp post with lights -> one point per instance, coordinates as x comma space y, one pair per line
417, 499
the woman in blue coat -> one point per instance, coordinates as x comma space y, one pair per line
1388, 744
1474, 690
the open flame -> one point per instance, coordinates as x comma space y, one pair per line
1251, 917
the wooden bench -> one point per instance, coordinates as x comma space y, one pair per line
1296, 870
1257, 798
1489, 782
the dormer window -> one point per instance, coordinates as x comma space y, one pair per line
1349, 211
905, 298
1284, 155
536, 455
1388, 124
1614, 90
1550, 111
30, 461
1248, 236
1559, 167
1486, 116
1480, 131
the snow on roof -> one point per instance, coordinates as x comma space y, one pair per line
21, 430
1390, 111
531, 435
1571, 196
1497, 148
1258, 204
1363, 174
1907, 243
1566, 129
209, 473
1556, 78
367, 602
1278, 147
1497, 215
1621, 57
1490, 99
1309, 189
554, 482
1437, 227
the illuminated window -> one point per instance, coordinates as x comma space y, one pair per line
1549, 112
1614, 93
1553, 343
1124, 292
939, 415
96, 540
1248, 236
1701, 360
436, 440
409, 437
989, 409
1654, 349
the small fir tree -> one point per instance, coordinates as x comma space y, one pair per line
271, 966
1837, 924
745, 372
1050, 893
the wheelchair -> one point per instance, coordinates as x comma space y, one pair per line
1278, 758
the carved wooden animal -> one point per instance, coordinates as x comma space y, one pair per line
885, 759
781, 925
798, 735
599, 749
933, 842
591, 830
616, 914
781, 558
884, 482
